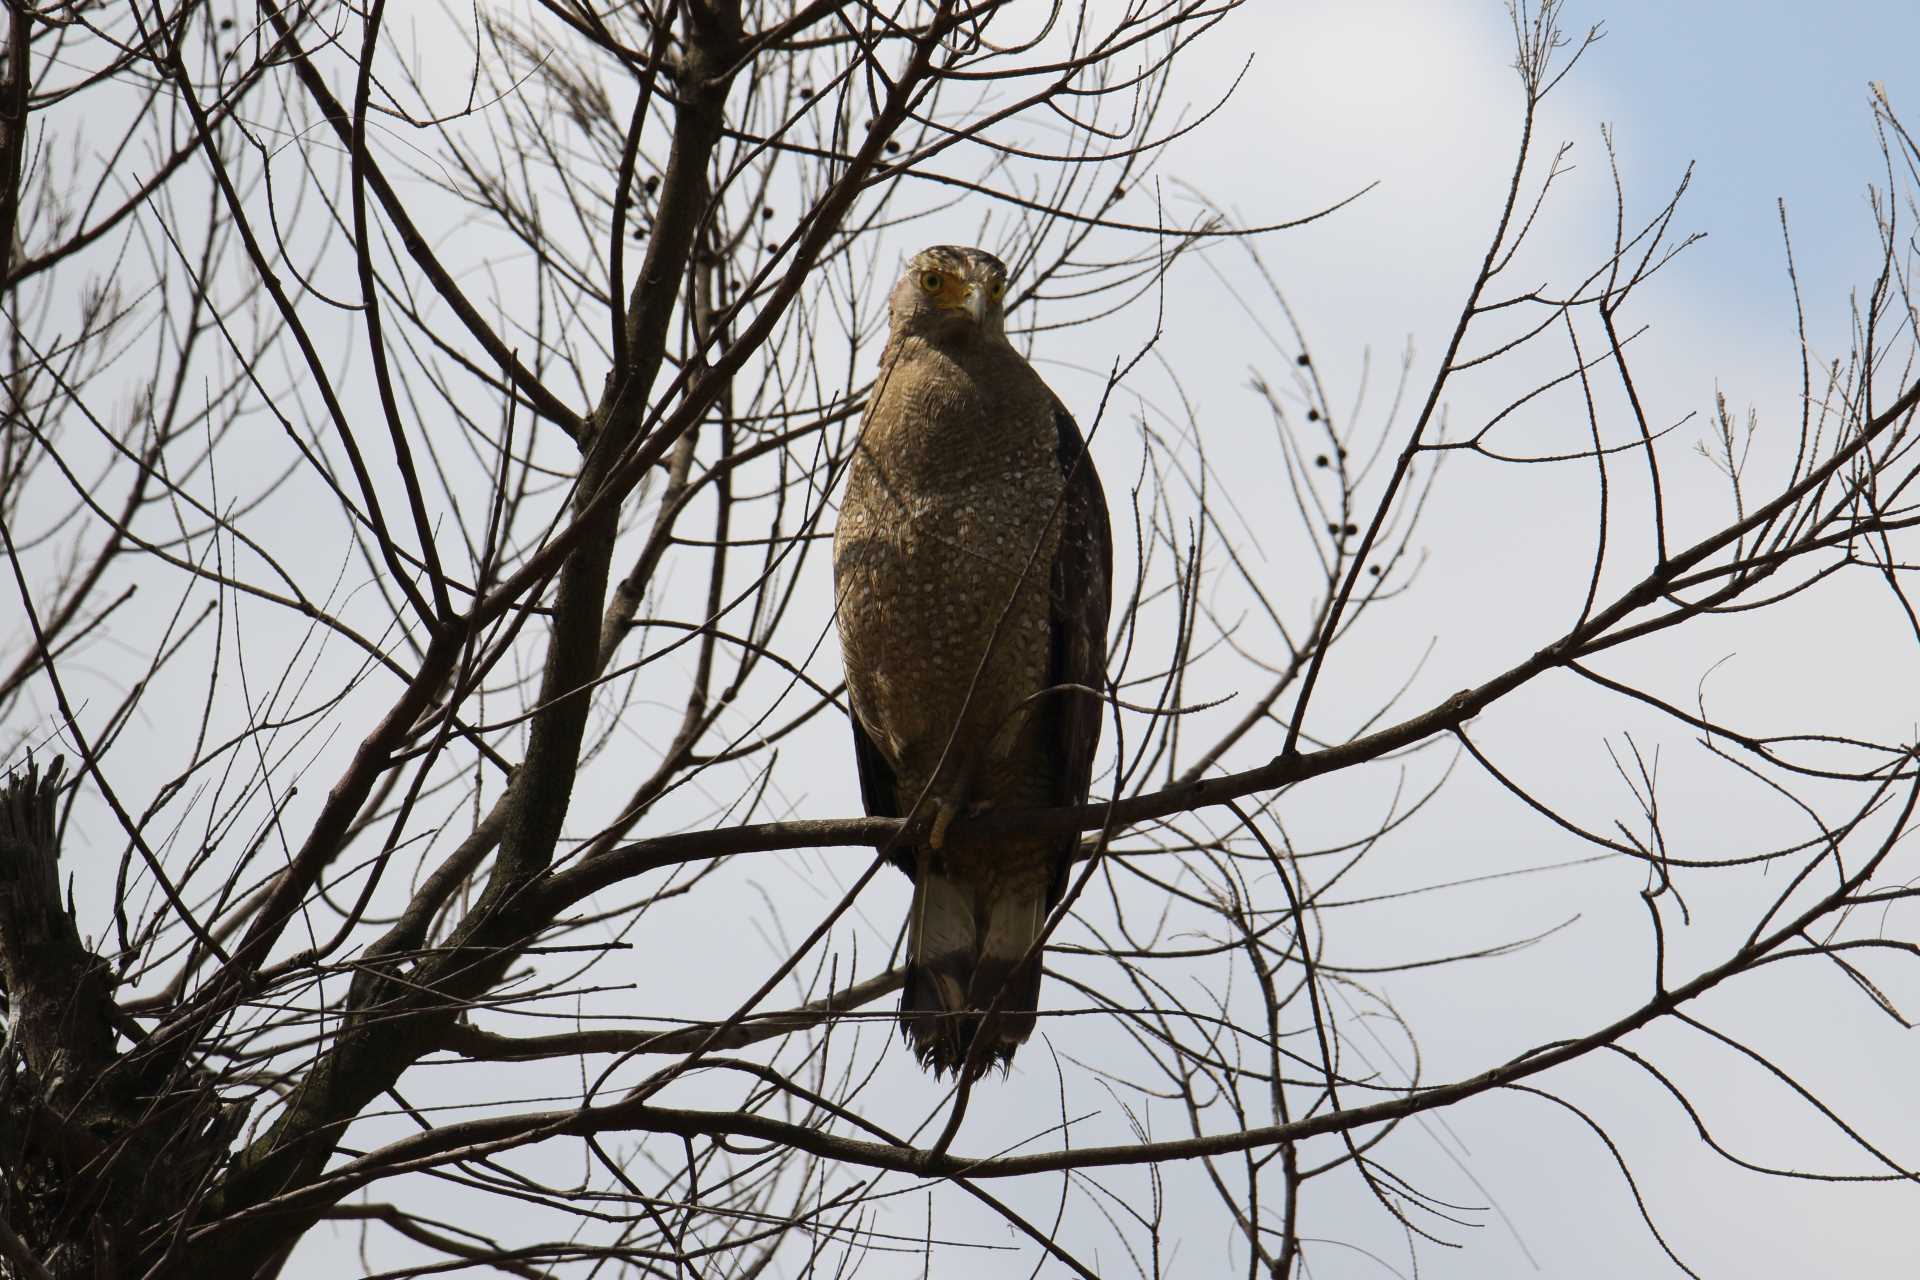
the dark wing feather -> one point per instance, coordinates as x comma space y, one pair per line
1082, 591
877, 787
879, 790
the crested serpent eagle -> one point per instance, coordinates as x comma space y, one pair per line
972, 573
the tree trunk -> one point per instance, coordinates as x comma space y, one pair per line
102, 1150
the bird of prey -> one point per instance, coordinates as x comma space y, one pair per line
972, 570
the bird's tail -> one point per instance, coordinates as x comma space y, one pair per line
964, 958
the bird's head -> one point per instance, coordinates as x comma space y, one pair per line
951, 294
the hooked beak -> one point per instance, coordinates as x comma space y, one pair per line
976, 304
967, 297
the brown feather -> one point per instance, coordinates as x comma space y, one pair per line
972, 568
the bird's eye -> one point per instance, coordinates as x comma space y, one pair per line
931, 281
998, 289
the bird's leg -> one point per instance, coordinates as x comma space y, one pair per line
947, 810
942, 818
950, 805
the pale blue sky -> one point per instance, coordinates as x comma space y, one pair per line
1770, 100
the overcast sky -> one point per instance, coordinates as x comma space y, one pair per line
1767, 101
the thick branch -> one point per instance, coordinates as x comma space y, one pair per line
470, 1042
14, 80
376, 1045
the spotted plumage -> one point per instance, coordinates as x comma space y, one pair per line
972, 567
